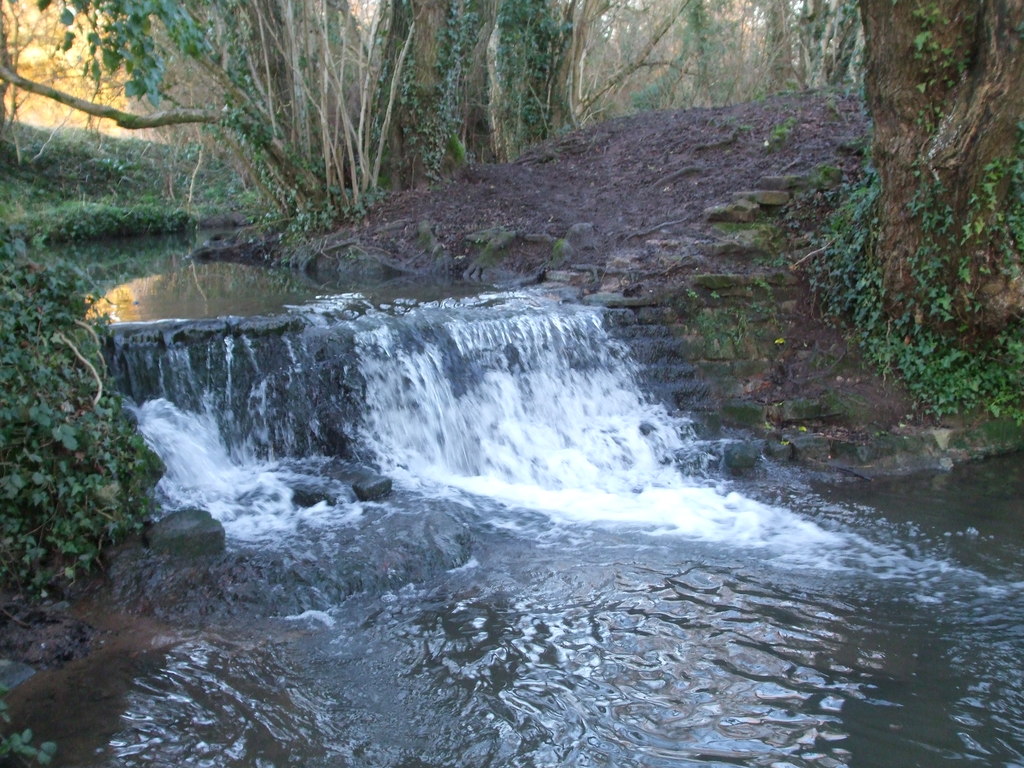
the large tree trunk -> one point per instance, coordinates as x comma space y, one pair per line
421, 125
944, 85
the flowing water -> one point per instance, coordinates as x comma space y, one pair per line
615, 601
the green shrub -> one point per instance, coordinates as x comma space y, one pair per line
74, 473
74, 222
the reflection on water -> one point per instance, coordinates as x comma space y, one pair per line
152, 278
189, 289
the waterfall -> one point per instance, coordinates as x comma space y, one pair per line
511, 398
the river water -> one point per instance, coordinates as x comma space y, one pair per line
619, 602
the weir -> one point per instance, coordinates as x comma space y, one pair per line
559, 577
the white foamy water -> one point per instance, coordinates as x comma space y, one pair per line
253, 499
541, 425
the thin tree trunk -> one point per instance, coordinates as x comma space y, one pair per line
5, 62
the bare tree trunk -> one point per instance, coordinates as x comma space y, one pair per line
5, 62
943, 84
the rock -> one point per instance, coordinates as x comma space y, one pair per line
614, 300
371, 487
13, 673
187, 533
741, 455
719, 282
785, 183
767, 197
779, 450
740, 211
743, 413
810, 447
581, 236
562, 251
428, 240
825, 177
308, 494
492, 240
560, 275
353, 265
801, 409
224, 221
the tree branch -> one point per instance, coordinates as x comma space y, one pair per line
123, 119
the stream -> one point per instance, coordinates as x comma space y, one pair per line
602, 594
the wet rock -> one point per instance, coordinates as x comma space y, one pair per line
311, 493
779, 450
743, 413
740, 456
617, 300
13, 673
354, 265
376, 551
371, 487
810, 447
187, 533
990, 438
366, 484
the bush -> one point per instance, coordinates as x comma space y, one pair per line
74, 473
74, 222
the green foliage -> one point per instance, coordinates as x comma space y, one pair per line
73, 222
432, 101
133, 186
121, 34
928, 340
75, 474
20, 744
780, 134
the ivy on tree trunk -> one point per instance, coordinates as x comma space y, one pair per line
944, 87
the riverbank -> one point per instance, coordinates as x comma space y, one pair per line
71, 185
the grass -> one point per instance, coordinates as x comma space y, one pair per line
72, 185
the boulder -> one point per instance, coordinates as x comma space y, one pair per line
581, 236
740, 211
353, 265
187, 533
13, 673
369, 486
738, 456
